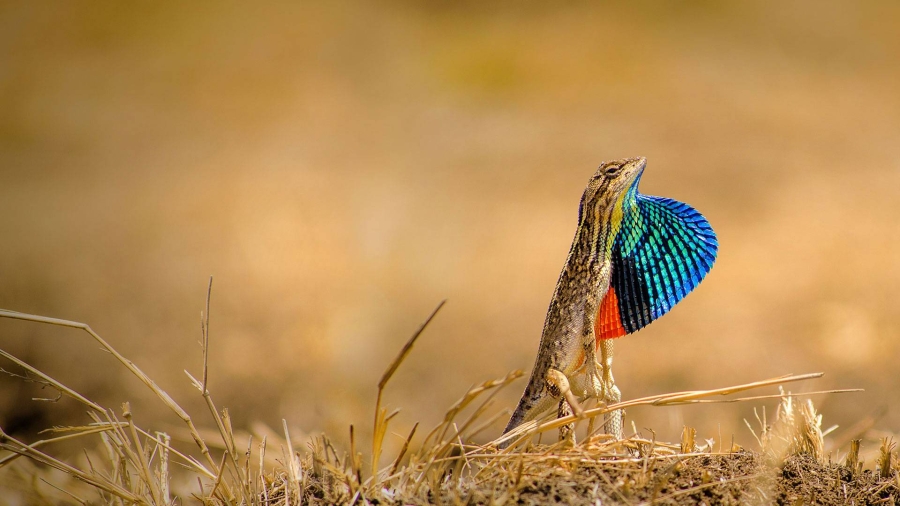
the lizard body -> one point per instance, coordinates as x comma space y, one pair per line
633, 258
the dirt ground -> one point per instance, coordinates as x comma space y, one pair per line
740, 478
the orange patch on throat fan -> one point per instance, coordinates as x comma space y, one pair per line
608, 324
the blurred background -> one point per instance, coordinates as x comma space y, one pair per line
340, 168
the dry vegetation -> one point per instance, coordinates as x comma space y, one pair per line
342, 165
135, 465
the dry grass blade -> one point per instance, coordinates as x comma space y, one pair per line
407, 348
81, 431
141, 455
221, 421
852, 462
163, 473
262, 470
776, 396
218, 481
164, 444
380, 425
73, 496
670, 399
687, 439
291, 463
56, 384
204, 332
403, 450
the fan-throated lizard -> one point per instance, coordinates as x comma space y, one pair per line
633, 258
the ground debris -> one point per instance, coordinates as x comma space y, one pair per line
705, 479
803, 480
743, 477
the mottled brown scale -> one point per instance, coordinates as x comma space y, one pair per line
568, 343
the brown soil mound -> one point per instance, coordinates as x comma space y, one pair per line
740, 478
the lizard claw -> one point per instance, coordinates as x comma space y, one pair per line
558, 386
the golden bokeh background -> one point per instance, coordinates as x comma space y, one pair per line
341, 167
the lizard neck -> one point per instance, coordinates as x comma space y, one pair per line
588, 265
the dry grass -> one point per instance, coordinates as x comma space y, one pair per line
133, 465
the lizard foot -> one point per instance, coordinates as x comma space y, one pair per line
558, 387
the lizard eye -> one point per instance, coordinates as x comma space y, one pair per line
612, 170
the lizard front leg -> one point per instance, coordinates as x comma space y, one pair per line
558, 388
594, 379
601, 381
613, 425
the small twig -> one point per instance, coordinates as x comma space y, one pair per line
221, 469
44, 384
70, 494
262, 469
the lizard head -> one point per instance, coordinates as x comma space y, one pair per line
611, 180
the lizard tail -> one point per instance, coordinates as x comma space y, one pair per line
516, 419
525, 411
518, 415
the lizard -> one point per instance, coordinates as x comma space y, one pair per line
633, 258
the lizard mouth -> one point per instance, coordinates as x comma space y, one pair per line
633, 169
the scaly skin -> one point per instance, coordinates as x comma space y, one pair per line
568, 342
